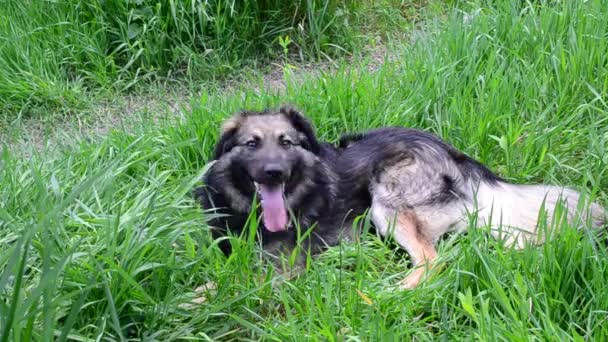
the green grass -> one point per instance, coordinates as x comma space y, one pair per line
100, 240
53, 52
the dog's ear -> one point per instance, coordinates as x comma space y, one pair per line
226, 143
302, 125
228, 137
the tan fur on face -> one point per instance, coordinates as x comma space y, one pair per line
269, 128
265, 127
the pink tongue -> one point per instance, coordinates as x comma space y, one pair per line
273, 207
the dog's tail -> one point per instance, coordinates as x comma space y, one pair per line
523, 206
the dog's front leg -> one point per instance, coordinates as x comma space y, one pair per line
407, 231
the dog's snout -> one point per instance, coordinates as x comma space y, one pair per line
274, 171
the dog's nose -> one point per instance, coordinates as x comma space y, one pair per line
274, 171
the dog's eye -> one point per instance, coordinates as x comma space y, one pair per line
252, 143
285, 143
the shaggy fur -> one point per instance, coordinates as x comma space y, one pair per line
250, 142
415, 185
422, 188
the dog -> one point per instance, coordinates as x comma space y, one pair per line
421, 188
271, 162
415, 186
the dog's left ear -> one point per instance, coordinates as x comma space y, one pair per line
302, 125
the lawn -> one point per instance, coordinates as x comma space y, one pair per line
101, 240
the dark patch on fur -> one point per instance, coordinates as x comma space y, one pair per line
391, 158
225, 144
347, 139
448, 192
471, 166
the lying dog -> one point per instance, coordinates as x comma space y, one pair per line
275, 157
416, 186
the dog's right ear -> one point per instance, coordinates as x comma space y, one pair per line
226, 143
228, 137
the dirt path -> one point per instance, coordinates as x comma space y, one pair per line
31, 135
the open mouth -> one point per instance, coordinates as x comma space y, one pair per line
274, 210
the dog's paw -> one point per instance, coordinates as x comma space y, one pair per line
413, 280
200, 295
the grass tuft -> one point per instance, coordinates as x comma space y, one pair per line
53, 52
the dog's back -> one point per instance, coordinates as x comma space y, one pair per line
421, 187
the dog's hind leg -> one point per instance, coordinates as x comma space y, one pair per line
406, 229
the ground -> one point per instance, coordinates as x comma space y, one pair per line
101, 239
123, 112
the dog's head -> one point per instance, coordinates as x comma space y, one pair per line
271, 149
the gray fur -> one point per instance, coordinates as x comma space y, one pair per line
424, 188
